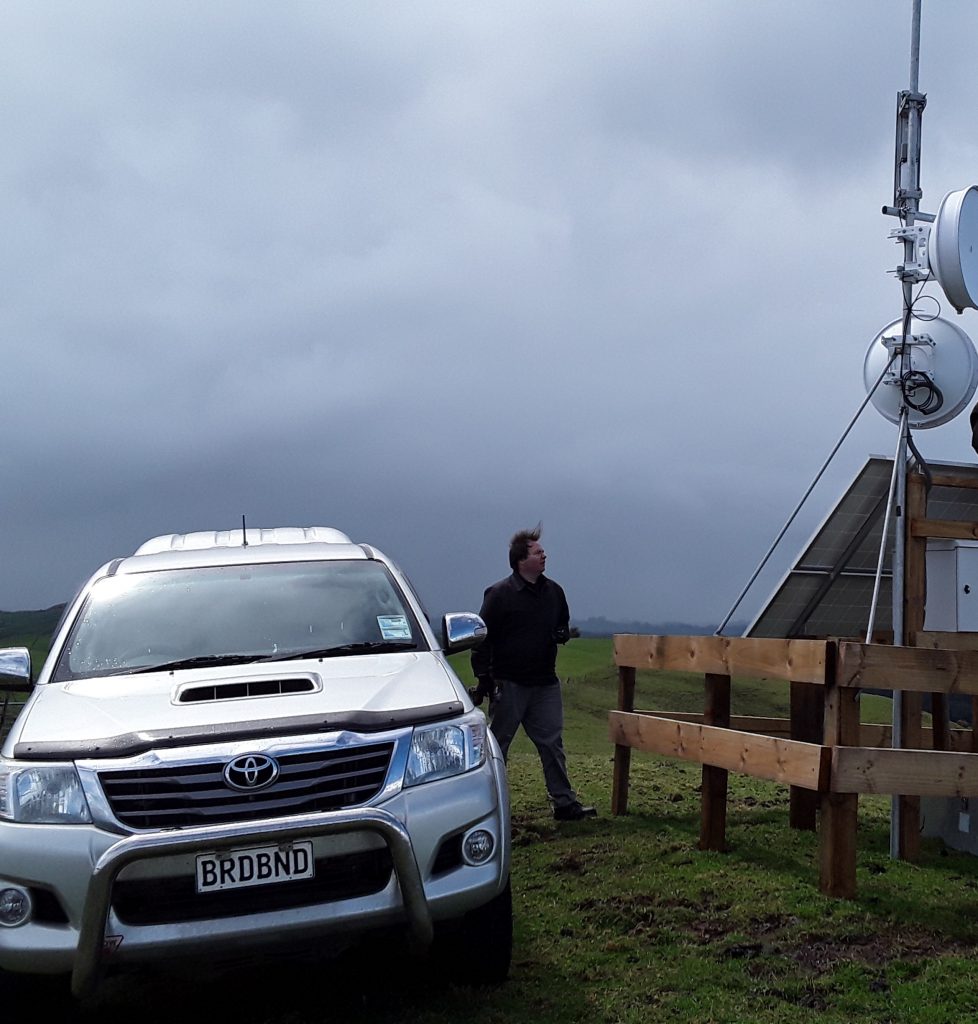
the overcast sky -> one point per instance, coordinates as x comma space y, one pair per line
428, 272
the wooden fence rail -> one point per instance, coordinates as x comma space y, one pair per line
822, 751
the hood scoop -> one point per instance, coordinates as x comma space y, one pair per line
240, 689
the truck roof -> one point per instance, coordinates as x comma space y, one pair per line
236, 539
226, 547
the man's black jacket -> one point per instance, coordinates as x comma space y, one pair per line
524, 621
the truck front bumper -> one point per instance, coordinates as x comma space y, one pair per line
92, 944
81, 867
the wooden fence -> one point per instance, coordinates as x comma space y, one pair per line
821, 752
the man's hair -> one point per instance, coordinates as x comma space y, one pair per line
519, 544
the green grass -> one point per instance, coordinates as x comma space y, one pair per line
19, 629
36, 644
622, 920
586, 669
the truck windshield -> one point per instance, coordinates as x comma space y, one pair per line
214, 615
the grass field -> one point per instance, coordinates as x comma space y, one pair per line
624, 920
590, 683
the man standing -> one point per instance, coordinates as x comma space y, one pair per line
527, 616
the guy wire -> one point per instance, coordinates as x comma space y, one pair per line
804, 498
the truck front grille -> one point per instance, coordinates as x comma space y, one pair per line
149, 901
177, 796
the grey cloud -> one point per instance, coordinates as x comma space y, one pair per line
429, 272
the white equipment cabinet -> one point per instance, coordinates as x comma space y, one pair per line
952, 606
952, 586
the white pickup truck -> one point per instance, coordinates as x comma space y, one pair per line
240, 740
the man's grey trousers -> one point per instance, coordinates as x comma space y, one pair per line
540, 711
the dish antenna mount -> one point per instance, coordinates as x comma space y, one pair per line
920, 372
929, 368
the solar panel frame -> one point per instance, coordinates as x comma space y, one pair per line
828, 591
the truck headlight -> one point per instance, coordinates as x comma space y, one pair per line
439, 751
42, 794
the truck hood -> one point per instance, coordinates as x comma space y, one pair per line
121, 715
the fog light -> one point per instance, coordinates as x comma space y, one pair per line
15, 907
478, 846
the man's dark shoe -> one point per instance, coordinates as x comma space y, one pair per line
574, 812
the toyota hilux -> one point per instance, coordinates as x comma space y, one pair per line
241, 739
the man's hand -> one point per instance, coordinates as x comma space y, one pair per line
482, 690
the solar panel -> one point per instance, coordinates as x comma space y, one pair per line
829, 590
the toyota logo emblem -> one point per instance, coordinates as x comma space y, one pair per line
251, 772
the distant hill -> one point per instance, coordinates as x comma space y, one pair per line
30, 629
608, 627
17, 627
33, 629
21, 625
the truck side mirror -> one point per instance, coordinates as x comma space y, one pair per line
461, 631
15, 668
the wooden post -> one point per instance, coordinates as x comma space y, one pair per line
840, 811
623, 755
908, 839
915, 601
837, 845
914, 605
941, 721
956, 641
807, 713
713, 813
915, 561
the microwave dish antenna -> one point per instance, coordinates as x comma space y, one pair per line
952, 248
932, 371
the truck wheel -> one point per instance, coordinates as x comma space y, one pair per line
483, 946
52, 989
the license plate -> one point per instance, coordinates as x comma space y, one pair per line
258, 865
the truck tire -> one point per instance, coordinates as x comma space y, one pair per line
482, 947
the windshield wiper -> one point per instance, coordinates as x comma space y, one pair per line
209, 660
366, 647
200, 661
